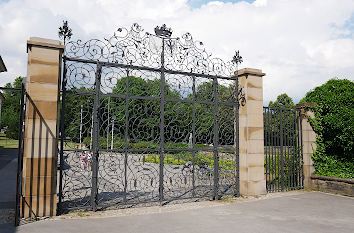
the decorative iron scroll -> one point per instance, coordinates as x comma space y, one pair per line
134, 47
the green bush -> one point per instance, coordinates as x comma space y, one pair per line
334, 125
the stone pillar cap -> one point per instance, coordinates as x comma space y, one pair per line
250, 71
43, 42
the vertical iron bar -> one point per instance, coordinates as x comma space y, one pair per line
19, 159
277, 150
293, 153
162, 120
193, 137
96, 106
281, 150
301, 151
236, 139
216, 139
267, 142
274, 166
62, 136
126, 135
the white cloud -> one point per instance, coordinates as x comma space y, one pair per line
296, 43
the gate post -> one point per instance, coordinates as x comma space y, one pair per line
308, 137
251, 131
41, 128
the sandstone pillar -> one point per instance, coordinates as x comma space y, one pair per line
41, 128
251, 131
308, 142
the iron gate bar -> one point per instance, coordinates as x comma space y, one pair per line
236, 138
281, 149
216, 139
301, 148
193, 136
95, 146
19, 156
62, 136
134, 67
127, 84
162, 119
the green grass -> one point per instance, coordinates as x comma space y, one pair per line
7, 142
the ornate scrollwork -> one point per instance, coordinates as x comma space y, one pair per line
134, 47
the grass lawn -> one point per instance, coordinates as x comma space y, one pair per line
7, 142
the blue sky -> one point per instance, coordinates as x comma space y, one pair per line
199, 3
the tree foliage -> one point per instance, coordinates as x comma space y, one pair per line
11, 109
334, 125
282, 101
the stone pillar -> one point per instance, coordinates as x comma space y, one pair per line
251, 131
308, 142
41, 128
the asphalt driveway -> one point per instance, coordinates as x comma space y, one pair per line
289, 212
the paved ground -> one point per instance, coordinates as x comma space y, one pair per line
8, 169
285, 212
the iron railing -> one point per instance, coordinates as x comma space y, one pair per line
283, 149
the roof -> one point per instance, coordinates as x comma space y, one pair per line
2, 65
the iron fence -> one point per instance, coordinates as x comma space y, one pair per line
283, 149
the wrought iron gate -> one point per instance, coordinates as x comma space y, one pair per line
20, 95
146, 118
283, 149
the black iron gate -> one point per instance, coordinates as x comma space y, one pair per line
16, 102
146, 118
283, 149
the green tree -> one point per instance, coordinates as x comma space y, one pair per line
334, 125
11, 109
282, 101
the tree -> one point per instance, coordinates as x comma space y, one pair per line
282, 101
333, 123
11, 109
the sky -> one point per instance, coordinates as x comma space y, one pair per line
299, 44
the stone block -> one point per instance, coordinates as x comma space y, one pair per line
254, 107
256, 173
39, 205
243, 187
40, 148
244, 173
243, 160
39, 55
43, 109
40, 128
44, 73
254, 93
255, 133
255, 146
40, 166
255, 160
38, 185
255, 120
42, 92
254, 81
256, 188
